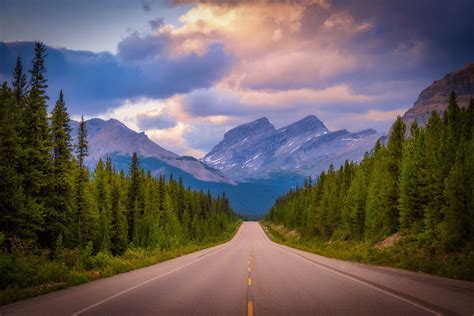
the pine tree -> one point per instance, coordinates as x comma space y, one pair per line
432, 176
35, 132
104, 207
84, 220
455, 227
19, 85
410, 195
395, 155
82, 147
382, 200
134, 202
60, 202
119, 225
379, 205
452, 134
14, 219
355, 200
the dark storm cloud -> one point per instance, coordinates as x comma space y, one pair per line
445, 28
93, 82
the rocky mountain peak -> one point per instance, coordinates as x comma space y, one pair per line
256, 150
435, 97
308, 124
257, 127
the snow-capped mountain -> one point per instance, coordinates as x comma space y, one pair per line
113, 139
257, 150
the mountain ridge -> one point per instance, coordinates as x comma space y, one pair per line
112, 138
435, 96
256, 150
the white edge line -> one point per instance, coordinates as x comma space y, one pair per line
143, 283
361, 282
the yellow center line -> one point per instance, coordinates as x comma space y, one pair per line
249, 309
249, 281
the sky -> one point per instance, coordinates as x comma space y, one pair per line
185, 72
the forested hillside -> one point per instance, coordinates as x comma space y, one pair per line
62, 223
421, 187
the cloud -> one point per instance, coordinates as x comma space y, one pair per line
155, 121
156, 23
139, 48
353, 64
250, 102
146, 5
94, 82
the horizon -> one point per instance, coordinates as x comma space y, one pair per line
202, 68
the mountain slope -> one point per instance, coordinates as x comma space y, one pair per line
257, 150
113, 139
435, 97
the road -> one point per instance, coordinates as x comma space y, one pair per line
251, 275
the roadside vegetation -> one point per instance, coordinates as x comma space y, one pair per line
409, 204
405, 254
62, 224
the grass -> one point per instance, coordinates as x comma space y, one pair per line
28, 275
406, 254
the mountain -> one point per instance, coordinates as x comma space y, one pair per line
286, 156
435, 97
113, 139
257, 150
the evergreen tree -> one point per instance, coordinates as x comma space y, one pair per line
104, 207
451, 135
60, 202
119, 225
410, 196
84, 219
35, 132
14, 219
432, 176
134, 202
455, 227
379, 205
19, 85
82, 147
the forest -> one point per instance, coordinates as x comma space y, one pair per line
418, 190
62, 224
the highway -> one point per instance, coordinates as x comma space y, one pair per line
251, 275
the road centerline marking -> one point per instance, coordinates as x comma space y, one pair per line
249, 308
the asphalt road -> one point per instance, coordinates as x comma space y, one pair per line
252, 275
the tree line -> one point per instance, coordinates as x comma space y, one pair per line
49, 199
421, 186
